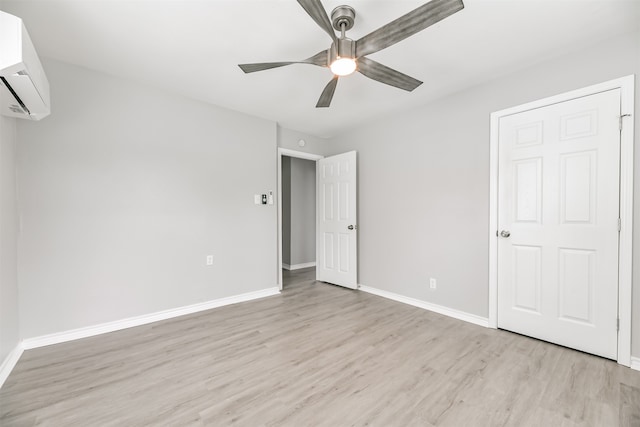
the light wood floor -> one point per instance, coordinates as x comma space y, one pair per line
316, 355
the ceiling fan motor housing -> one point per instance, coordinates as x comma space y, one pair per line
344, 48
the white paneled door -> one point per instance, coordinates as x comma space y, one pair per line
336, 239
558, 210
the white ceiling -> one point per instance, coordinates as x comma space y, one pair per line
192, 48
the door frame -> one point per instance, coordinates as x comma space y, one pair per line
625, 259
299, 155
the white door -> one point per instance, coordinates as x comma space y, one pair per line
558, 210
336, 238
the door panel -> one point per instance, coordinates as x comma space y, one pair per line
337, 251
577, 270
528, 190
558, 196
577, 187
526, 279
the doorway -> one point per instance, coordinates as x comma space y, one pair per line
298, 214
296, 210
336, 253
561, 219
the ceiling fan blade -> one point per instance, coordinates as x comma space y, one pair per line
316, 11
376, 71
252, 68
320, 59
407, 25
327, 93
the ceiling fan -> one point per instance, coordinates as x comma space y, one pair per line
346, 56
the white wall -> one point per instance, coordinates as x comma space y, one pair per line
124, 190
298, 211
303, 211
424, 181
289, 138
9, 319
286, 209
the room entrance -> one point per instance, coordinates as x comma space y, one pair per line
334, 228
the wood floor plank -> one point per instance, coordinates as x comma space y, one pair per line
316, 355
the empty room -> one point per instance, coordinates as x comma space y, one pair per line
319, 213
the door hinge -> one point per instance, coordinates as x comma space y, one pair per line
617, 324
619, 225
620, 120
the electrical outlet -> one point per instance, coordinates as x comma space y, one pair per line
209, 259
432, 283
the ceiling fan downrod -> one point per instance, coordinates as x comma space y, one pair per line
342, 54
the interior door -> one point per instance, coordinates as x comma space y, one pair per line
336, 239
558, 210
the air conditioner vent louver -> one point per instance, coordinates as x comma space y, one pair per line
17, 109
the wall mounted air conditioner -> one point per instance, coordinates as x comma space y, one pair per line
24, 86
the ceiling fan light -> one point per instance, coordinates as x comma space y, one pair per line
343, 66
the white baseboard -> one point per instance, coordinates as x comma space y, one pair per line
117, 325
298, 266
456, 314
9, 363
635, 363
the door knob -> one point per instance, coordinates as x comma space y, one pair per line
351, 227
505, 233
